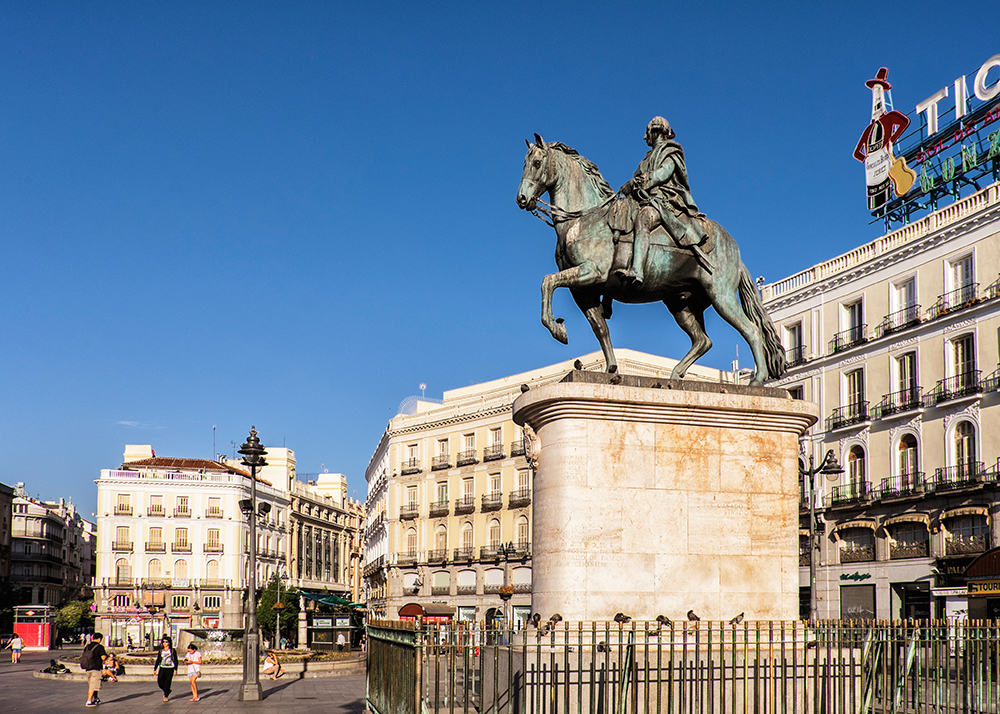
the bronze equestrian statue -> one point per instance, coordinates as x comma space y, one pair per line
690, 262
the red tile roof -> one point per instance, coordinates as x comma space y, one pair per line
181, 464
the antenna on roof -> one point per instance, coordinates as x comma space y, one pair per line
213, 443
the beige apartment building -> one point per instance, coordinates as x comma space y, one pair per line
897, 342
449, 499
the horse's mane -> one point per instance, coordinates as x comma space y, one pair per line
590, 169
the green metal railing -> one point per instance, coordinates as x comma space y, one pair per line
828, 667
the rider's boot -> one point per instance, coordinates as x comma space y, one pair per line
639, 250
702, 258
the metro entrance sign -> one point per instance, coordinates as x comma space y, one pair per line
953, 146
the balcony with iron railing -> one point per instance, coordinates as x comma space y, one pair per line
156, 547
212, 583
848, 338
438, 555
182, 512
121, 510
465, 504
408, 558
851, 493
122, 546
409, 512
903, 486
517, 448
520, 498
857, 554
409, 466
520, 550
958, 299
441, 461
214, 513
464, 458
794, 356
967, 545
991, 382
493, 452
212, 548
899, 320
966, 384
491, 552
155, 511
438, 509
970, 474
180, 548
915, 549
492, 501
464, 555
899, 402
849, 415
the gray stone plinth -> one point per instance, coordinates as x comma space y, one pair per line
659, 497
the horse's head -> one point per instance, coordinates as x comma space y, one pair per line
537, 176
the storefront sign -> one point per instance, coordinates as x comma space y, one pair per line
984, 587
343, 622
855, 576
322, 622
210, 622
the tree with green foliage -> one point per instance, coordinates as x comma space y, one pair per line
267, 615
74, 614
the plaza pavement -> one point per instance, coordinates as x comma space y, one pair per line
21, 693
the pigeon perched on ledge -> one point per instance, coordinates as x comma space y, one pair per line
737, 620
622, 618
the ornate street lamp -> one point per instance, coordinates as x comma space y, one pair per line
250, 689
832, 469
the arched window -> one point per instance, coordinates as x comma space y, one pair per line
522, 532
441, 585
857, 472
907, 456
155, 569
441, 539
467, 533
180, 570
212, 570
494, 533
965, 448
123, 571
411, 541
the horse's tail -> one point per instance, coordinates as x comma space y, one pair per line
753, 308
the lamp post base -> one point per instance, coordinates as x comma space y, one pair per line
250, 689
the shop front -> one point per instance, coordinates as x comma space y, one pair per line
983, 588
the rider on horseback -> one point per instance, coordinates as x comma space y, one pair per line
660, 186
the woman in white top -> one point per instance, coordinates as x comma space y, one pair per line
193, 660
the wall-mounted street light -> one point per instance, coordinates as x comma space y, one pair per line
250, 689
832, 469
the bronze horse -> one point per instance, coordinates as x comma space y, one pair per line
590, 247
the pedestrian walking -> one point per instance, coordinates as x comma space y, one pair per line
193, 661
165, 666
16, 644
92, 662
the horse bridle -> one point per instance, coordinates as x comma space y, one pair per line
550, 214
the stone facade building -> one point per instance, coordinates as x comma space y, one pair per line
6, 526
449, 498
897, 342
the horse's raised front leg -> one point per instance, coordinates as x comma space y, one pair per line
579, 276
692, 321
590, 304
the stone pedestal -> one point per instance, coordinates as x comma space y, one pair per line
658, 497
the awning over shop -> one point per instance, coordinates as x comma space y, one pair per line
908, 518
966, 511
432, 609
868, 523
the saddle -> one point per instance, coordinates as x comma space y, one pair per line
620, 216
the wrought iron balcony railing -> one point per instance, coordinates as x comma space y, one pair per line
182, 512
521, 550
902, 486
212, 548
409, 511
958, 299
795, 356
954, 478
464, 555
156, 547
408, 558
123, 510
438, 555
439, 509
899, 320
122, 546
856, 413
409, 466
492, 501
467, 457
517, 448
520, 497
901, 551
898, 402
155, 511
214, 513
857, 554
465, 504
967, 545
441, 461
490, 552
494, 452
849, 338
180, 548
857, 492
961, 385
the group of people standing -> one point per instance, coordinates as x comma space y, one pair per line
95, 660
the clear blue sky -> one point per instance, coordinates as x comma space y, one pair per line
292, 214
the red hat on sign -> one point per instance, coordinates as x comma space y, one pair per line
880, 79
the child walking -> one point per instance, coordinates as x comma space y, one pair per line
193, 660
